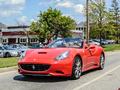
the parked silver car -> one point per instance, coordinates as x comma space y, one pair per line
19, 48
7, 52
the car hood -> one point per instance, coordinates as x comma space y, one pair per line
44, 55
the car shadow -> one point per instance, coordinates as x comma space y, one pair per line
41, 79
47, 79
89, 71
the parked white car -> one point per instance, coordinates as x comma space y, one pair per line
7, 52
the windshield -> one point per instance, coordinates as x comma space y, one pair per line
67, 43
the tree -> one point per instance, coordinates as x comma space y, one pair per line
99, 19
51, 24
115, 10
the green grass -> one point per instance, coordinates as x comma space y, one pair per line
112, 47
8, 62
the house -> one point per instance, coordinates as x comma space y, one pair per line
82, 27
17, 35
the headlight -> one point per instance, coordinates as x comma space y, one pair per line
63, 55
22, 55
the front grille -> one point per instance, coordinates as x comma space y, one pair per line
35, 67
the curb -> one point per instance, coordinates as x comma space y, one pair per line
7, 69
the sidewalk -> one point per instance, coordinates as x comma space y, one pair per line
8, 69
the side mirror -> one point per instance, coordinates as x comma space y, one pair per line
86, 47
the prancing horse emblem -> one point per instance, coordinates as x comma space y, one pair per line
33, 67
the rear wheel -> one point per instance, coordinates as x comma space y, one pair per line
77, 68
102, 62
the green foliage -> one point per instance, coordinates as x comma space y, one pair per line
51, 24
115, 20
100, 17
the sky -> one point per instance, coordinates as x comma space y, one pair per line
15, 12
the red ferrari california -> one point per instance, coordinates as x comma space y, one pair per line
63, 57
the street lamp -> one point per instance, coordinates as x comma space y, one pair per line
87, 21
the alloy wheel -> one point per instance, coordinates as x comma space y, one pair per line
77, 68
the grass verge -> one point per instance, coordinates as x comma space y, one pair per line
8, 62
112, 47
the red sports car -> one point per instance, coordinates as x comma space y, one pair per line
63, 57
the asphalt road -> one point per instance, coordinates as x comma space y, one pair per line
107, 79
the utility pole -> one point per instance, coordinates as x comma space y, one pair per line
87, 21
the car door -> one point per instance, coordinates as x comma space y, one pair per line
1, 52
88, 56
93, 51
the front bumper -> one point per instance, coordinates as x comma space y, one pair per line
57, 68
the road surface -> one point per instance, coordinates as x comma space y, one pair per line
107, 79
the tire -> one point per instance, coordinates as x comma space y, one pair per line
77, 68
7, 54
102, 62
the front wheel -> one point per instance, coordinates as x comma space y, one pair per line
77, 68
102, 62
